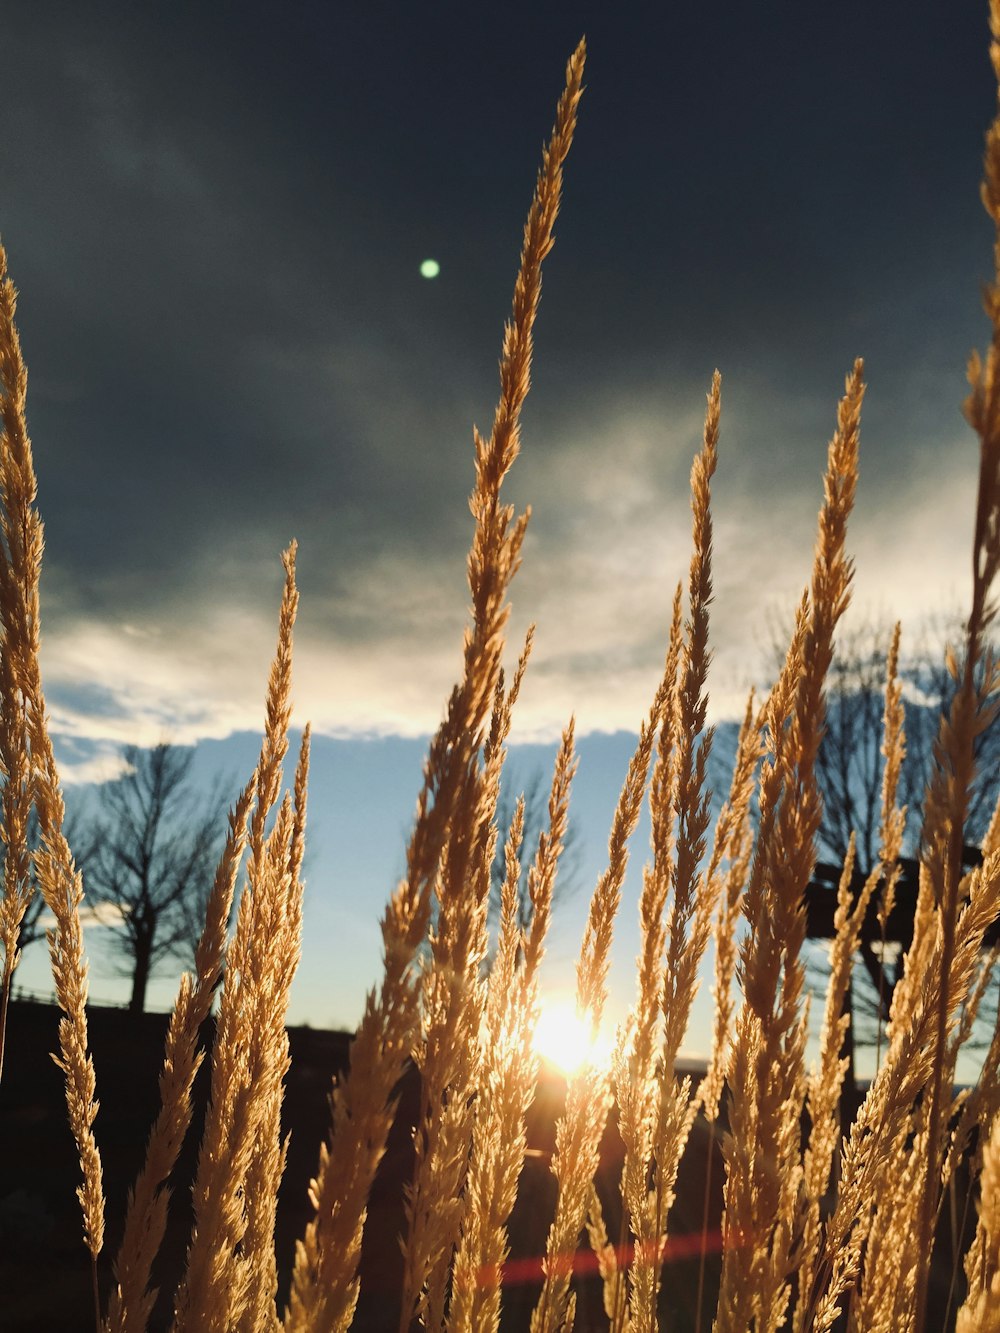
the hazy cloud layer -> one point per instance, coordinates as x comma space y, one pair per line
361, 802
216, 222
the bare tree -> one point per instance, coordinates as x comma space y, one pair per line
33, 923
849, 763
931, 690
157, 839
849, 770
536, 819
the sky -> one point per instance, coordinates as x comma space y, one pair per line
217, 216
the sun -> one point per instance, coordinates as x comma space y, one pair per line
564, 1039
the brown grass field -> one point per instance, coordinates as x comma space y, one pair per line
452, 1188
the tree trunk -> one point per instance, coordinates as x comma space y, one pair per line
849, 1089
140, 977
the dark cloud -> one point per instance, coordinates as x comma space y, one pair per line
91, 698
216, 218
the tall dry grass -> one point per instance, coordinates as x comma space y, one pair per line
816, 1228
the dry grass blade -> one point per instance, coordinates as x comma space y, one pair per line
324, 1282
733, 841
879, 1148
655, 1112
634, 1069
974, 705
284, 851
767, 1074
250, 1052
607, 1264
825, 1084
982, 1103
453, 996
18, 886
588, 1097
146, 1214
20, 562
510, 1071
893, 816
981, 1311
458, 1017
59, 880
509, 940
695, 892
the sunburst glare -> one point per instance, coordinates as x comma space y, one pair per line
565, 1040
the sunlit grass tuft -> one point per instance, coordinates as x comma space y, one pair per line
566, 1041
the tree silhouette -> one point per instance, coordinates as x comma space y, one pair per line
536, 818
849, 770
156, 841
33, 923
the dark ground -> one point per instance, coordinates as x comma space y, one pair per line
45, 1270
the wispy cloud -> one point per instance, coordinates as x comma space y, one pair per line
609, 539
100, 914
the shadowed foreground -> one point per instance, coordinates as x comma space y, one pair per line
45, 1269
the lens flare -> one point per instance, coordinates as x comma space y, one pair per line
565, 1039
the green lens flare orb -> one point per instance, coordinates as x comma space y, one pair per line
430, 268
